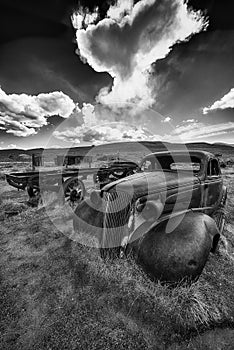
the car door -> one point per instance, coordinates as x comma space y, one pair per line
213, 184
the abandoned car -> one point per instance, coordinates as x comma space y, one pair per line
114, 171
169, 215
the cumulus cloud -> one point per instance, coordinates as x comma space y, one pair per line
227, 101
23, 115
100, 124
121, 9
11, 146
166, 120
130, 39
104, 133
188, 121
95, 131
191, 131
83, 18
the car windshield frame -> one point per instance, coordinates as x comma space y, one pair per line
165, 160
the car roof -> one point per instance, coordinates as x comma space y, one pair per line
196, 153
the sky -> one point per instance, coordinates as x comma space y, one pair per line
90, 72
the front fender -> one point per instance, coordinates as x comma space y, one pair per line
171, 255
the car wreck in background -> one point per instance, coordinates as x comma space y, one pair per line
67, 182
114, 171
169, 215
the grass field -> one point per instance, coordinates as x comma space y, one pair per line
57, 294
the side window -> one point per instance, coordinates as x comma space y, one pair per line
213, 168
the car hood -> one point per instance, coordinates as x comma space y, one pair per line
146, 183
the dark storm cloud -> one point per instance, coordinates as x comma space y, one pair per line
48, 18
127, 42
115, 45
220, 13
224, 115
48, 64
38, 51
34, 18
37, 54
195, 74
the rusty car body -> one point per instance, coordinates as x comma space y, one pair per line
169, 215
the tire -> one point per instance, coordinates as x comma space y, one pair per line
33, 188
34, 196
33, 191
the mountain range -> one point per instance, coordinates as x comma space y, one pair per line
143, 147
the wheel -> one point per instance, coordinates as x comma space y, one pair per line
33, 188
33, 191
72, 192
34, 195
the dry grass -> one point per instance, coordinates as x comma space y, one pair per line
58, 294
7, 205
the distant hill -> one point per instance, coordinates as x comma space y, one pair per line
226, 150
130, 149
154, 146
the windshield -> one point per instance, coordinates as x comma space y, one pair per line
169, 163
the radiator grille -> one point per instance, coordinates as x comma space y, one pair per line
117, 212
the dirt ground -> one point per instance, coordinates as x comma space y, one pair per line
58, 294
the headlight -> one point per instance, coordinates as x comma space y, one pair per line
151, 210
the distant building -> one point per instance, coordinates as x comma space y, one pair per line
66, 160
37, 160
